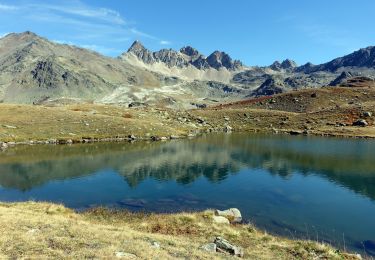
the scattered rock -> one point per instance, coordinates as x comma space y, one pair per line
228, 128
232, 214
210, 247
360, 122
174, 137
155, 138
221, 220
163, 138
200, 120
52, 141
132, 137
134, 203
367, 114
314, 95
224, 246
10, 126
199, 105
295, 132
125, 255
137, 104
155, 245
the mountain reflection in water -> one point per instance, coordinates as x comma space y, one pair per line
311, 179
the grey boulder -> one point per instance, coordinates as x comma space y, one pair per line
232, 214
225, 247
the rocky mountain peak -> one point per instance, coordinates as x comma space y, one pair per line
136, 46
190, 51
288, 64
171, 58
306, 68
345, 75
22, 37
187, 56
276, 65
220, 59
141, 52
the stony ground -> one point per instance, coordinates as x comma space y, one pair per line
326, 111
41, 230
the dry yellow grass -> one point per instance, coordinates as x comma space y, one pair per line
80, 121
327, 111
26, 122
41, 230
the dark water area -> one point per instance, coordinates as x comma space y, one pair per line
302, 187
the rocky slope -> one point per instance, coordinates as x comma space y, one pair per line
363, 58
35, 70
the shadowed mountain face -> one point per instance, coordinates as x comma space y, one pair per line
35, 70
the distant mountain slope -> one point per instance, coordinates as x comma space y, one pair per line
32, 68
363, 58
35, 70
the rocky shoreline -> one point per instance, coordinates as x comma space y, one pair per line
132, 138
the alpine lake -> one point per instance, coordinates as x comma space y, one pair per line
315, 188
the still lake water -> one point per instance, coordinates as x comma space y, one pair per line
301, 187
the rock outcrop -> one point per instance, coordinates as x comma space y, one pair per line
344, 76
141, 52
270, 87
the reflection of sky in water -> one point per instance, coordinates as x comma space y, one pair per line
299, 187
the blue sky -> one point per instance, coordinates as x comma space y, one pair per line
254, 31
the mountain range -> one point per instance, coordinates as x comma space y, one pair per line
36, 70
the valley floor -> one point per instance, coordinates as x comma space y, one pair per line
42, 230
